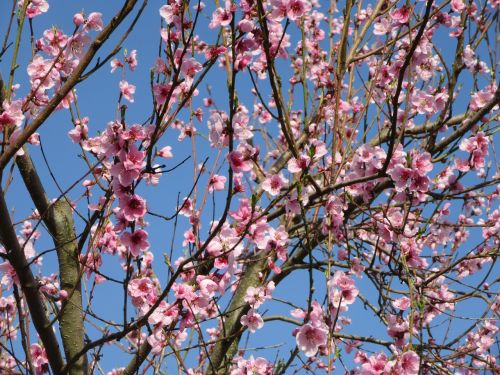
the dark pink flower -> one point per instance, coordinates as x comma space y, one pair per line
238, 163
136, 241
133, 207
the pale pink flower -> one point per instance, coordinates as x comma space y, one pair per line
375, 364
300, 164
166, 152
131, 60
208, 287
221, 17
142, 288
190, 67
35, 7
382, 26
158, 340
80, 131
164, 314
344, 291
477, 146
218, 133
252, 320
216, 183
246, 26
94, 21
127, 90
76, 45
274, 184
309, 338
457, 5
421, 162
402, 303
78, 19
169, 13
255, 296
483, 97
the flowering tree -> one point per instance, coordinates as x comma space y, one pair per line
350, 157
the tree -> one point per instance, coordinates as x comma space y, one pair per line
342, 150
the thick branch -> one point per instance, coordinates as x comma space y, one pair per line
226, 349
30, 288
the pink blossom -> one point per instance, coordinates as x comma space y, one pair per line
258, 366
477, 146
39, 359
127, 90
164, 314
76, 45
221, 16
297, 8
246, 26
166, 152
94, 21
41, 74
401, 303
169, 13
131, 60
35, 7
162, 92
133, 207
184, 291
208, 287
255, 296
483, 97
80, 131
382, 26
136, 241
158, 340
78, 19
274, 184
190, 67
12, 114
299, 165
344, 292
238, 163
252, 320
115, 64
409, 363
457, 5
401, 15
309, 338
421, 163
143, 287
217, 127
375, 364
216, 183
